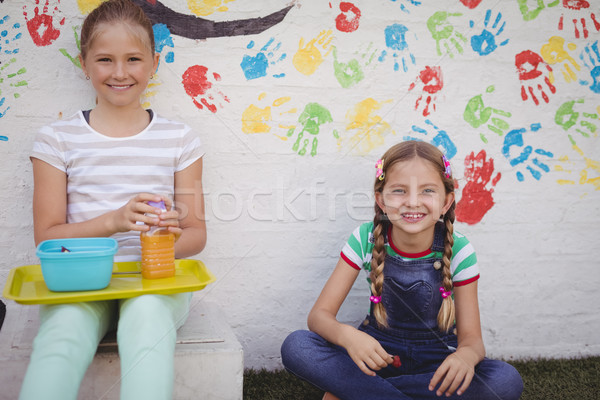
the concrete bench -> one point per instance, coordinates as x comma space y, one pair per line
208, 357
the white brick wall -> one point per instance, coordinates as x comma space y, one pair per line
277, 220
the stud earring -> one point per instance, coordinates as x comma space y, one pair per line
87, 77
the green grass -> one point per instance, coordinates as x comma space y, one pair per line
577, 379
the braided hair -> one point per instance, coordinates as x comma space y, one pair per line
406, 151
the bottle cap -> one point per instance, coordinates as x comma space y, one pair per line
158, 204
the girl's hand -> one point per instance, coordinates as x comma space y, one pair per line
366, 352
127, 217
455, 372
170, 219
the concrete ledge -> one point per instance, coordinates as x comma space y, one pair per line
208, 357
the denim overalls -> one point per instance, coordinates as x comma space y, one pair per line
412, 299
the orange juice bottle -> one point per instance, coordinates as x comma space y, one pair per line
158, 250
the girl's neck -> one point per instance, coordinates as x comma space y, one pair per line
413, 243
119, 122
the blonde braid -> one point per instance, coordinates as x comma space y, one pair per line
446, 314
377, 263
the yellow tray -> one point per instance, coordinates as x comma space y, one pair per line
26, 284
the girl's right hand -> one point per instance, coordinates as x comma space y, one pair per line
127, 217
366, 352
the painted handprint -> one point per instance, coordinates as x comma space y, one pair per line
476, 199
584, 123
9, 34
41, 26
395, 41
405, 3
440, 140
256, 119
73, 58
432, 81
517, 153
256, 66
590, 57
528, 66
532, 13
367, 126
350, 73
204, 8
311, 119
554, 52
476, 114
589, 175
162, 39
349, 18
577, 29
471, 3
13, 79
312, 54
445, 35
485, 43
198, 84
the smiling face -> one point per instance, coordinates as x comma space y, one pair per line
119, 65
413, 198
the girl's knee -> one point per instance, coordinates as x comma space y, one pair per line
501, 380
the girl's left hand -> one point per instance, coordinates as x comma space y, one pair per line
170, 219
455, 372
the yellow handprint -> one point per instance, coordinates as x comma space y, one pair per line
86, 6
370, 127
207, 7
592, 167
257, 120
554, 52
310, 56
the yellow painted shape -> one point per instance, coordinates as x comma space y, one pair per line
87, 6
207, 7
370, 128
310, 56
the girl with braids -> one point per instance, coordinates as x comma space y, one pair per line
422, 337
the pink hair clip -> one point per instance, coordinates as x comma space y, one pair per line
379, 174
375, 299
447, 170
444, 292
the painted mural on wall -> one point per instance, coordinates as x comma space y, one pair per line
569, 57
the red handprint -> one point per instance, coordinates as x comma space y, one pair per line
41, 26
527, 63
348, 20
432, 80
476, 200
196, 83
471, 3
578, 5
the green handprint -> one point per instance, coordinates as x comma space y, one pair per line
529, 14
350, 73
566, 117
313, 116
75, 59
477, 114
444, 33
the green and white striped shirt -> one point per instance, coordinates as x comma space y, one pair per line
358, 252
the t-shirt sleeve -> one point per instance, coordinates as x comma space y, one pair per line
46, 147
191, 149
464, 266
355, 250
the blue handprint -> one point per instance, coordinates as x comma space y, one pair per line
485, 43
395, 40
256, 67
162, 38
590, 56
514, 138
441, 140
403, 2
7, 37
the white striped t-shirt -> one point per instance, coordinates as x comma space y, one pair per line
104, 173
358, 253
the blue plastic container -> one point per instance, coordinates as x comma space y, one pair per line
87, 265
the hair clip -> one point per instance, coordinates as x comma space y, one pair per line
380, 174
444, 292
375, 299
447, 170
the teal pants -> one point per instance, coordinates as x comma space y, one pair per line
69, 335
